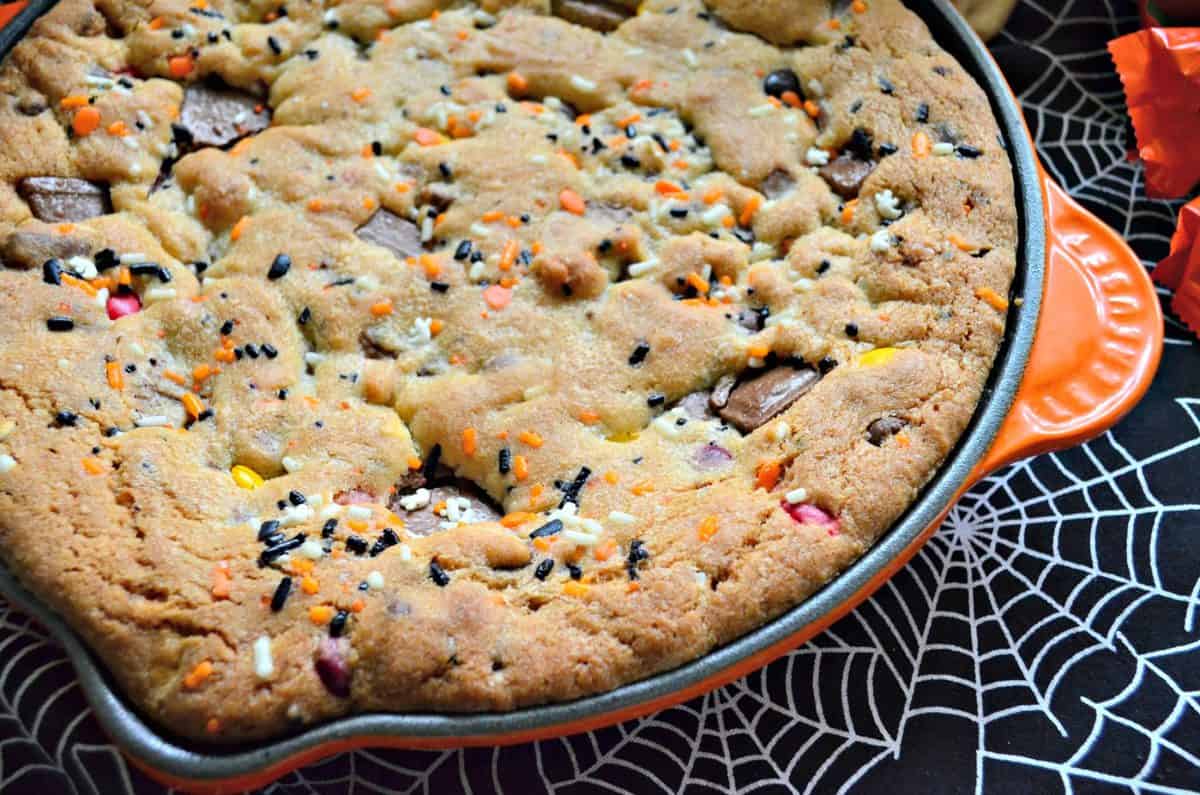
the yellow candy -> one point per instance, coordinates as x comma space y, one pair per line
246, 477
877, 357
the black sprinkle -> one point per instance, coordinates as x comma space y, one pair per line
922, 115
575, 572
637, 553
52, 271
296, 498
227, 328
439, 287
281, 594
338, 625
860, 144
639, 354
544, 568
629, 161
65, 419
444, 169
572, 489
887, 150
356, 544
60, 323
438, 574
269, 350
655, 400
826, 364
887, 86
851, 329
552, 527
662, 142
275, 551
268, 529
251, 350
305, 316
328, 528
279, 267
824, 266
504, 461
273, 43
968, 151
106, 258
463, 251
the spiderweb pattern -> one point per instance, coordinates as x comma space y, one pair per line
1045, 639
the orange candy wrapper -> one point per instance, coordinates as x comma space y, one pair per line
1180, 271
1160, 68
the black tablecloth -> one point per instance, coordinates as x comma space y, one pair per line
1045, 639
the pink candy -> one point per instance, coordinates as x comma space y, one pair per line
332, 666
121, 305
807, 513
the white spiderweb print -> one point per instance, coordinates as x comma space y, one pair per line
1046, 639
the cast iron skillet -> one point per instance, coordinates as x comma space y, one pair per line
1071, 391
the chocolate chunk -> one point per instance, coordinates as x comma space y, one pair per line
58, 199
879, 430
593, 14
846, 174
777, 183
398, 235
214, 114
752, 403
423, 521
25, 250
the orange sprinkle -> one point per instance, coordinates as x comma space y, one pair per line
588, 417
759, 350
858, 7
361, 94
792, 99
633, 587
180, 66
583, 119
470, 437
922, 146
85, 121
508, 256
695, 280
309, 585
93, 465
403, 187
431, 266
713, 195
848, 211
517, 83
728, 222
199, 373
767, 474
238, 228
381, 308
497, 297
302, 566
572, 202
491, 216
192, 404
573, 588
992, 298
224, 355
541, 544
530, 438
643, 488
902, 439
961, 244
666, 187
116, 378
520, 467
357, 525
413, 462
835, 24
632, 118
536, 490
157, 23
462, 35
610, 477
357, 606
605, 550
202, 671
320, 614
221, 582
118, 129
73, 102
436, 326
78, 283
708, 528
516, 519
812, 108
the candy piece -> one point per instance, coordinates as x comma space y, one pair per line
59, 199
447, 502
846, 174
216, 115
122, 304
593, 14
398, 235
756, 401
881, 429
25, 250
245, 477
332, 666
807, 513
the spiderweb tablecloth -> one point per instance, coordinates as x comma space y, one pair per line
1045, 639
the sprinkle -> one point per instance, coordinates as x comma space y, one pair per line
7, 463
361, 94
279, 267
264, 665
572, 202
517, 83
877, 357
438, 574
93, 465
497, 297
375, 580
708, 528
767, 474
86, 121
520, 467
639, 354
151, 421
530, 438
921, 145
320, 614
180, 66
881, 241
816, 157
992, 298
60, 323
582, 83
291, 464
245, 477
553, 527
192, 405
573, 588
381, 308
796, 495
888, 205
621, 518
116, 378
202, 671
415, 501
469, 441
781, 432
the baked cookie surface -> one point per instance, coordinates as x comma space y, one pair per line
389, 356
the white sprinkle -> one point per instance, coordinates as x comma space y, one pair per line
760, 250
84, 267
479, 230
582, 83
796, 495
131, 142
291, 464
804, 285
714, 214
331, 511
264, 665
312, 550
881, 241
484, 18
7, 463
381, 171
295, 514
761, 110
63, 364
621, 518
690, 58
477, 272
423, 328
418, 499
888, 205
537, 160
151, 420
331, 16
427, 229
313, 358
782, 429
405, 552
642, 268
375, 580
99, 80
102, 297
942, 149
133, 258
701, 579
816, 157
581, 538
159, 294
591, 525
360, 512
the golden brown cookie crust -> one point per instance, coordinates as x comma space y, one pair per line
633, 205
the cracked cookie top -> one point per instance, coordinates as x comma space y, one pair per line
411, 355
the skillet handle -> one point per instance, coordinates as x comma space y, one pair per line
8, 11
1098, 342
